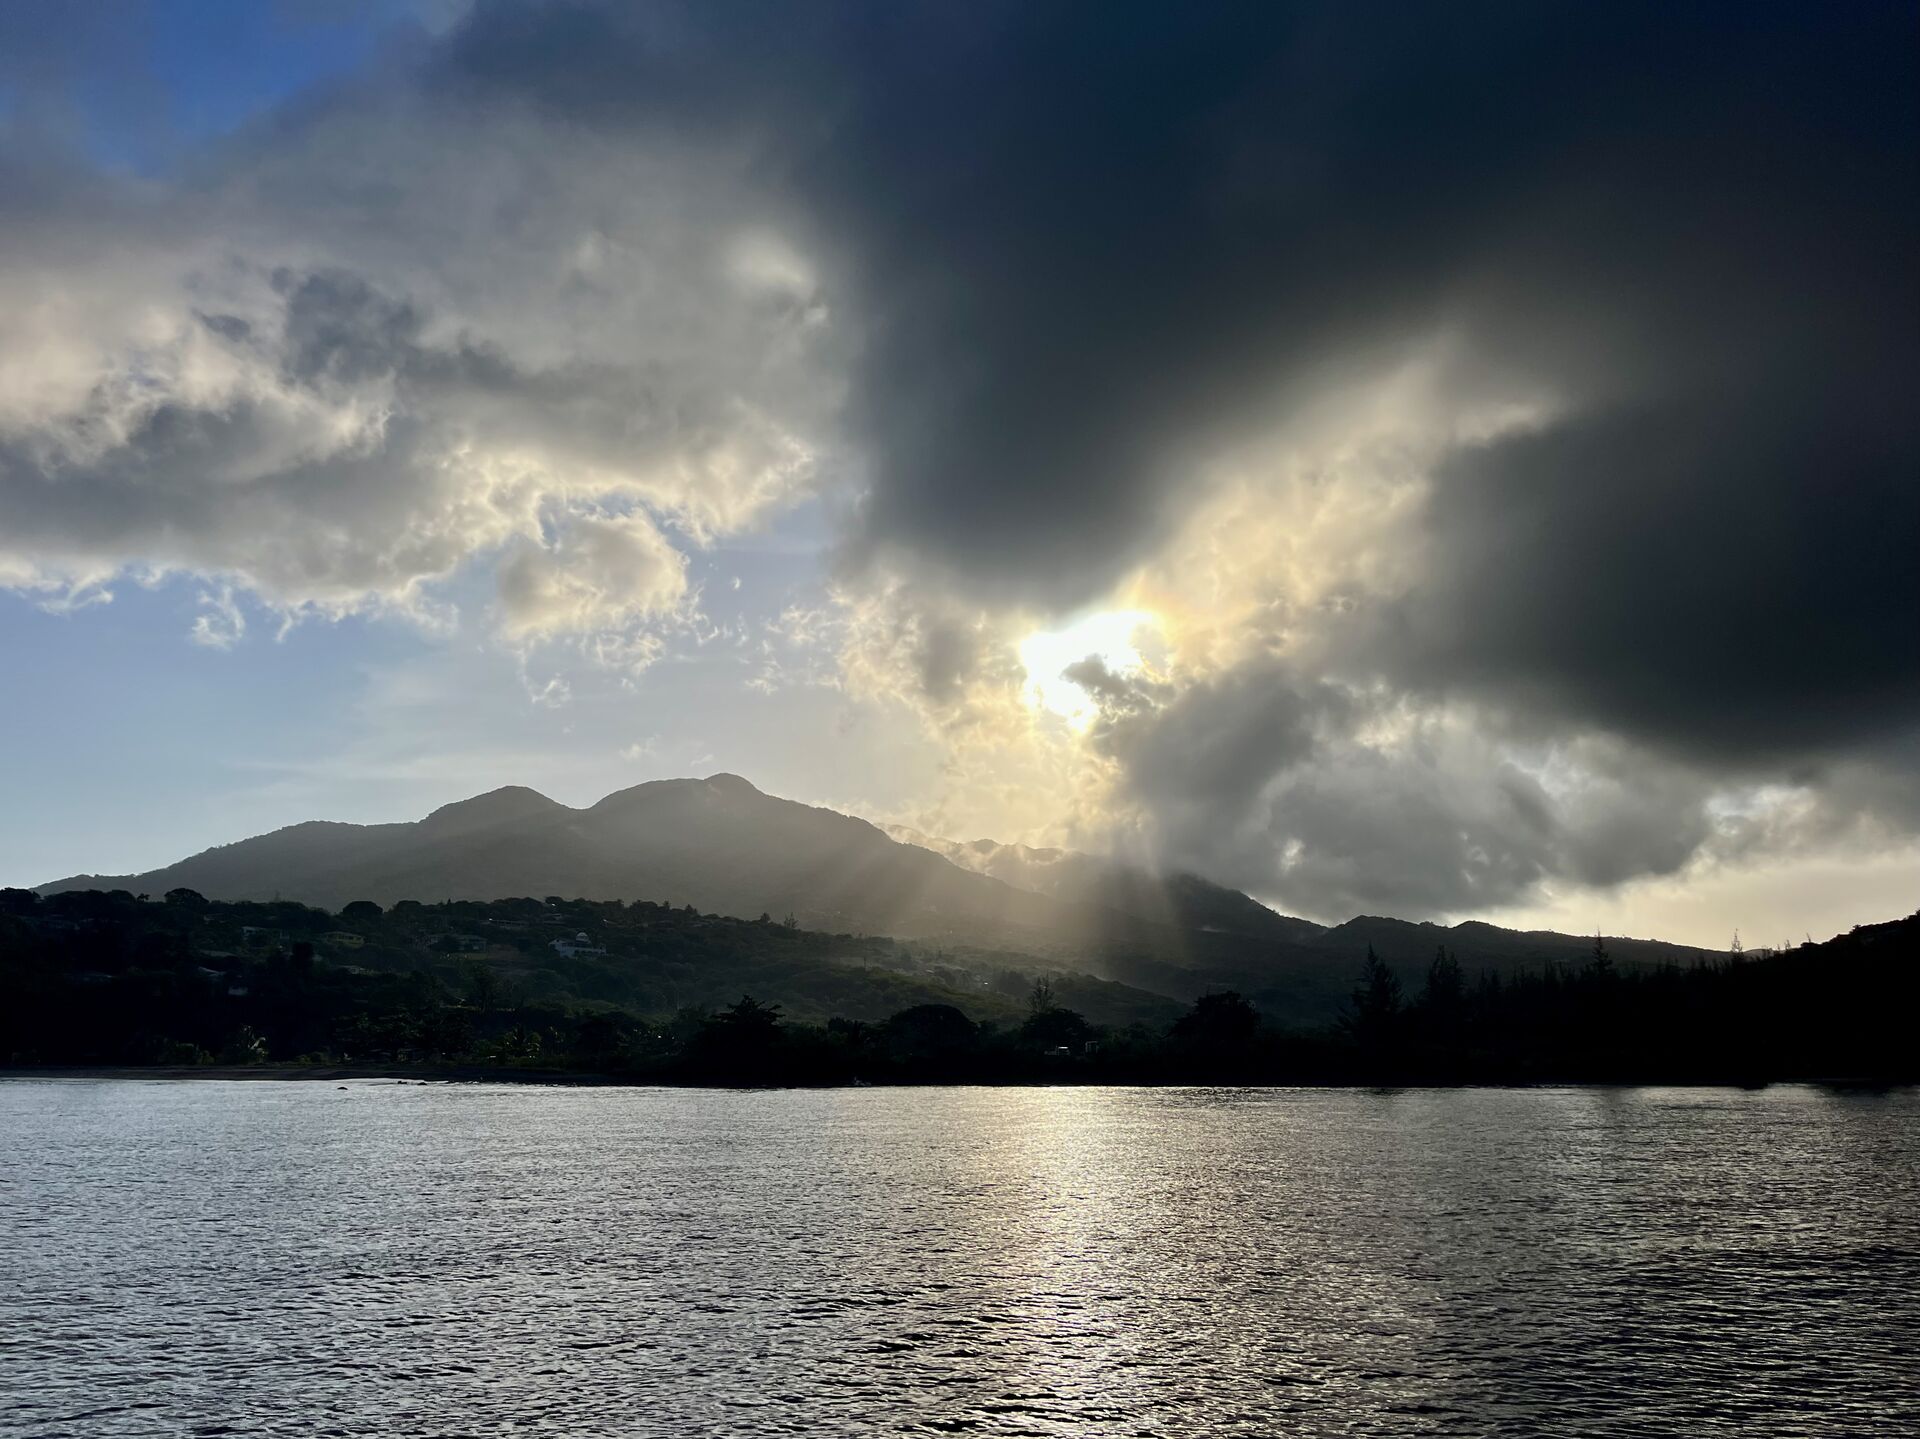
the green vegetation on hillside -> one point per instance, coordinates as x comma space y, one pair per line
109, 977
650, 991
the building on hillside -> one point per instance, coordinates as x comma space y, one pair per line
344, 938
580, 944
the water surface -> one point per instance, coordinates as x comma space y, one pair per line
292, 1258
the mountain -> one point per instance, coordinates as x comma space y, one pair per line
1184, 901
1402, 943
1229, 940
718, 844
724, 847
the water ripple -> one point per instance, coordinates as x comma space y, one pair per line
214, 1258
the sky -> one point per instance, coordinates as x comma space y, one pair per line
1449, 461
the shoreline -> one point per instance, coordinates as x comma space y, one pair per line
293, 1073
584, 1079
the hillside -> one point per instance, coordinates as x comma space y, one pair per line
643, 958
658, 994
729, 849
1179, 900
1228, 940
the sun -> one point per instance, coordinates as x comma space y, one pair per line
1111, 636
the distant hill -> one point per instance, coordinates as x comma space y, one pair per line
1315, 977
1401, 942
1230, 940
726, 848
1182, 901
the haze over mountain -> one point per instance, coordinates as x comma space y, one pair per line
1185, 901
725, 847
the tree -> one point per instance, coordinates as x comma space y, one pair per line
183, 898
520, 1044
742, 1041
243, 1046
1048, 1026
445, 1031
601, 1041
856, 1036
1055, 1028
361, 911
1601, 965
748, 1017
1374, 1007
929, 1031
1218, 1025
483, 985
1444, 987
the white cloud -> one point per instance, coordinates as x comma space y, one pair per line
599, 574
220, 625
390, 337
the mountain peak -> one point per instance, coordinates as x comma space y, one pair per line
496, 806
650, 794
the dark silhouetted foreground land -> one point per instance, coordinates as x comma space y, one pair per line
650, 993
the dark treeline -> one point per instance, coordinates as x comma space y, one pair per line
92, 979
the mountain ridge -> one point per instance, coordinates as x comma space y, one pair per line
726, 847
1190, 899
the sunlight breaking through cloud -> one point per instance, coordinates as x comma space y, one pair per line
1113, 637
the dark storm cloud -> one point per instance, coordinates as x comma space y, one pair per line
1209, 750
1086, 248
1260, 778
1733, 576
1084, 242
1117, 695
1090, 243
340, 328
1097, 247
